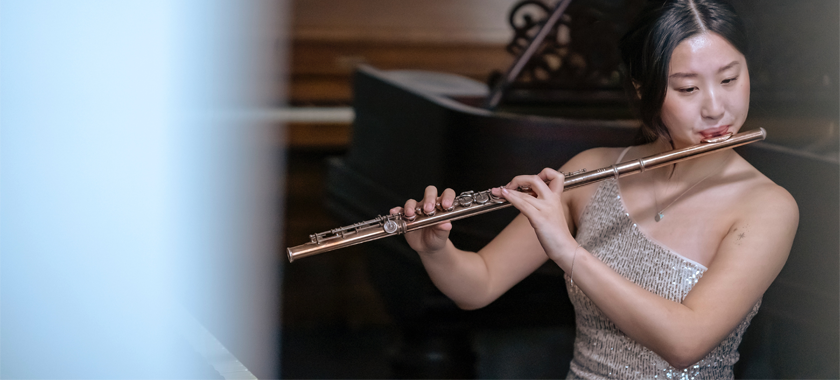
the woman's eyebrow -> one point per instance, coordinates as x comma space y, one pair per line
683, 75
729, 66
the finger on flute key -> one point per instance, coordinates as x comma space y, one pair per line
408, 209
447, 200
430, 200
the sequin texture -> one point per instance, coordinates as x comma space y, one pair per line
601, 350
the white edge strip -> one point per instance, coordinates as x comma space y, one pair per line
212, 350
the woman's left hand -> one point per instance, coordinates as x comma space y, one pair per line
545, 212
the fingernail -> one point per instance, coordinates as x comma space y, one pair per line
505, 191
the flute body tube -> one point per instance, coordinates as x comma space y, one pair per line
474, 203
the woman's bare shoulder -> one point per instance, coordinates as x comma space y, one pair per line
591, 159
770, 197
760, 197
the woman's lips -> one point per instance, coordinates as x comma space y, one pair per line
714, 132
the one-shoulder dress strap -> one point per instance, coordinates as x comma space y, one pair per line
623, 152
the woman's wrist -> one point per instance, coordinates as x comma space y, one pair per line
567, 251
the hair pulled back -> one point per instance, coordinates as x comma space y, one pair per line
647, 47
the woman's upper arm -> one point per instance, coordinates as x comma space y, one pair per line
748, 259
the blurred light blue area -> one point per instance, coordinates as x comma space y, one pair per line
123, 193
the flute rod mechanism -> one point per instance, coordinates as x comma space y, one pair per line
474, 203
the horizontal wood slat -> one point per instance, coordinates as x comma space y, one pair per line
321, 71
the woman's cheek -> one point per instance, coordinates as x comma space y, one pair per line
680, 114
670, 109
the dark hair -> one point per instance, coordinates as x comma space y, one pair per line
646, 50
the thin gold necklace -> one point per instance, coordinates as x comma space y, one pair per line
661, 213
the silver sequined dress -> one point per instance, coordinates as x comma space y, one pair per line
601, 350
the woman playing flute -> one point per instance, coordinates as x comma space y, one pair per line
665, 268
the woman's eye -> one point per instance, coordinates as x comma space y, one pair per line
729, 80
688, 90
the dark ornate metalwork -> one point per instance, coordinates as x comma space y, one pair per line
523, 57
580, 51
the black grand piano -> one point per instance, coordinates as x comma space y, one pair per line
413, 129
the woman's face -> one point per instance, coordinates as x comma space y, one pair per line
708, 91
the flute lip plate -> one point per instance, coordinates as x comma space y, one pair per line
717, 139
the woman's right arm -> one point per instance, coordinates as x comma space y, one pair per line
475, 279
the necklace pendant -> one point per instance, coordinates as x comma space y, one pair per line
659, 216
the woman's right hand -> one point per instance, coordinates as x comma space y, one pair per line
432, 239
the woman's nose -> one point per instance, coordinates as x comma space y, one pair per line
712, 105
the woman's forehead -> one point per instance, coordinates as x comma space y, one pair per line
706, 53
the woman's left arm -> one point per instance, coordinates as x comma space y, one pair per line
748, 259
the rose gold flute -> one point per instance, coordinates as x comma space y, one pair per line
473, 203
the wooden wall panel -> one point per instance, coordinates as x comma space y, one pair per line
442, 21
331, 38
321, 71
